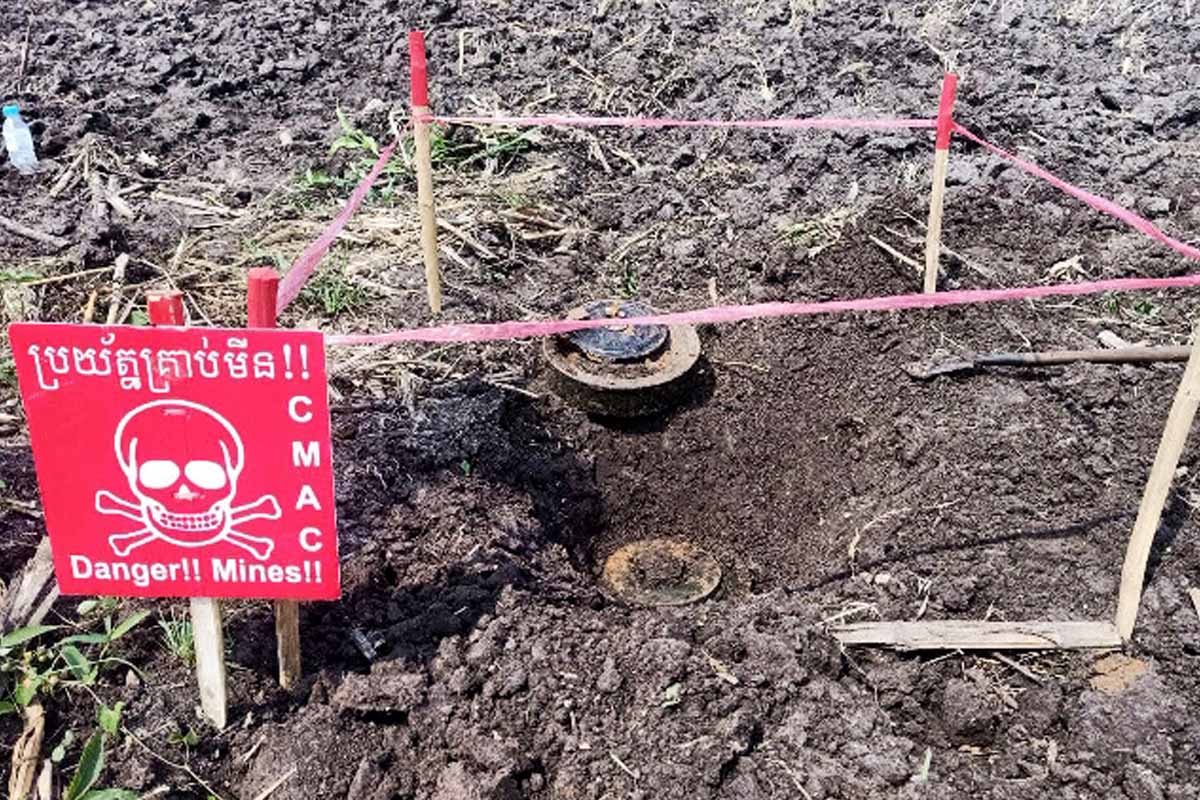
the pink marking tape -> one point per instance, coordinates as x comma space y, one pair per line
307, 262
1095, 201
551, 121
483, 332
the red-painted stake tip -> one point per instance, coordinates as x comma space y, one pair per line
259, 274
417, 69
945, 118
262, 291
165, 307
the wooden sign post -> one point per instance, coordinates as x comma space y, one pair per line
262, 289
424, 167
178, 461
208, 634
937, 196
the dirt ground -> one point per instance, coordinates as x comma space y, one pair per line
475, 507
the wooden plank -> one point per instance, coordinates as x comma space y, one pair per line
210, 658
972, 635
1194, 593
1158, 487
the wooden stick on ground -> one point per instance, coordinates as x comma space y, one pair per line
1116, 355
118, 283
262, 289
941, 158
979, 635
1158, 487
166, 308
424, 166
32, 233
24, 65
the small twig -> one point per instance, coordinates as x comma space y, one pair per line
197, 205
31, 233
468, 240
896, 254
68, 176
267, 792
510, 388
744, 364
857, 607
118, 284
113, 196
89, 308
245, 757
24, 58
795, 780
721, 669
959, 257
631, 773
57, 278
1021, 668
128, 309
175, 765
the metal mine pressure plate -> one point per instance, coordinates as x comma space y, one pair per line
660, 572
631, 371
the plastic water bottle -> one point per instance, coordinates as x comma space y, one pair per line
18, 140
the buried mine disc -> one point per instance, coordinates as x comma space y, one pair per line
619, 344
632, 371
660, 572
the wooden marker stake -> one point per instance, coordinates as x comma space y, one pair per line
941, 157
262, 289
1179, 423
166, 308
424, 165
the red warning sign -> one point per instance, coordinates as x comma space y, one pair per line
182, 462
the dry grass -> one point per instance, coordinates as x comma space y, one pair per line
494, 224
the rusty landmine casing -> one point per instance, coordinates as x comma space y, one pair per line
647, 384
660, 572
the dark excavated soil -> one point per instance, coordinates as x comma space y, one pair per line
823, 479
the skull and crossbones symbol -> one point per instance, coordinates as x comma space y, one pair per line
182, 461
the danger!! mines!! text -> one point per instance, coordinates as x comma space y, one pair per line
221, 570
